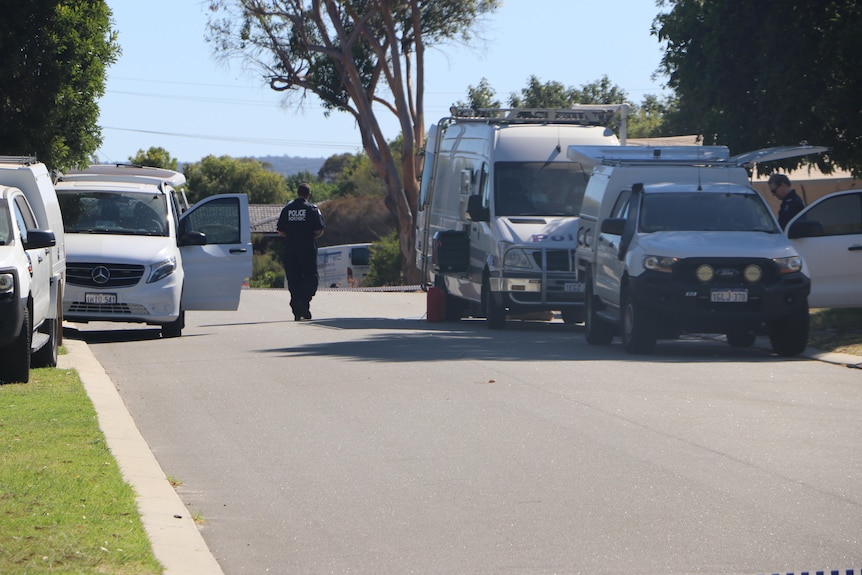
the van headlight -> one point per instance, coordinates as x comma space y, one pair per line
7, 283
789, 264
162, 270
659, 263
517, 258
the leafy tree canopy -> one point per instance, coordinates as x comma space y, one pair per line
226, 175
768, 73
53, 60
156, 158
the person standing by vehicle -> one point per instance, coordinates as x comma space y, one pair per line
791, 203
300, 224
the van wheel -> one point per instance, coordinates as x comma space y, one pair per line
47, 355
495, 315
596, 330
15, 358
637, 330
789, 334
741, 338
175, 328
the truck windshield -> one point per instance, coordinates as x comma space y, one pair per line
125, 213
703, 211
538, 188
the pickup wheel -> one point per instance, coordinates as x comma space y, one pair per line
596, 330
15, 358
495, 315
46, 356
789, 334
637, 329
175, 328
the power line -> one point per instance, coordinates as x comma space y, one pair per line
243, 139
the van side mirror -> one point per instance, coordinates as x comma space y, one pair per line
476, 211
805, 229
37, 239
193, 239
613, 226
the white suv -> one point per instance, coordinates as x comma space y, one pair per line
134, 254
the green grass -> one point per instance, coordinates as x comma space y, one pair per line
838, 330
64, 506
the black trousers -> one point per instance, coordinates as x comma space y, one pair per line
300, 269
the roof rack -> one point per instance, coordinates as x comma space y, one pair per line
582, 114
126, 173
684, 155
23, 160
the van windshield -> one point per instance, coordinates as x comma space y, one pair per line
538, 188
702, 211
125, 213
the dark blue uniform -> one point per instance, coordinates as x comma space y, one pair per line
791, 205
300, 221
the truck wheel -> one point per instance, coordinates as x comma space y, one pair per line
15, 358
741, 338
46, 356
596, 330
637, 330
789, 334
495, 315
175, 328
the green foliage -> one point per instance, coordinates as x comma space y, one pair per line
320, 191
773, 72
226, 175
355, 219
155, 158
53, 60
481, 96
64, 507
556, 95
385, 262
267, 271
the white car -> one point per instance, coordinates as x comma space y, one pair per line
828, 235
134, 255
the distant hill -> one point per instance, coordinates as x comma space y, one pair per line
290, 165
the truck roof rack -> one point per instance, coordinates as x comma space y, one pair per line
126, 173
582, 114
22, 160
684, 155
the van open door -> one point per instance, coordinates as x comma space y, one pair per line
215, 244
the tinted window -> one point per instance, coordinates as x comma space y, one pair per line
548, 189
701, 211
839, 216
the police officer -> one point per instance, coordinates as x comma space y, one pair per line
300, 224
791, 203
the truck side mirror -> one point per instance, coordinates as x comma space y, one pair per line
613, 226
476, 211
37, 239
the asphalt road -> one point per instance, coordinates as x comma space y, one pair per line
371, 441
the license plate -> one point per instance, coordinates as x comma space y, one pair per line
730, 295
573, 287
100, 298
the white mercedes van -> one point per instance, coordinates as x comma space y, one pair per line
134, 254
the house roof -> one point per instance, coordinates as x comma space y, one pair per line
264, 217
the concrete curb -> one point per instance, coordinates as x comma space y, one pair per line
175, 538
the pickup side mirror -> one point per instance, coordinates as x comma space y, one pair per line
193, 239
476, 211
39, 239
805, 229
613, 226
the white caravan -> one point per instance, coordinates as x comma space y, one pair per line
343, 266
134, 254
498, 209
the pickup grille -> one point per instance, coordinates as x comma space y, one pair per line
115, 275
558, 260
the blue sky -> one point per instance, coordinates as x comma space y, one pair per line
168, 90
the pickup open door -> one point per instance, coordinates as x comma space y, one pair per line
215, 244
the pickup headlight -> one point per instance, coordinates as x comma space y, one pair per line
789, 265
7, 283
659, 263
517, 258
162, 270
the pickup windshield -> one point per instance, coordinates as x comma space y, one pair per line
538, 188
124, 213
701, 211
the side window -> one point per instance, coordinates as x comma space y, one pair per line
218, 219
839, 216
621, 206
484, 186
24, 217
